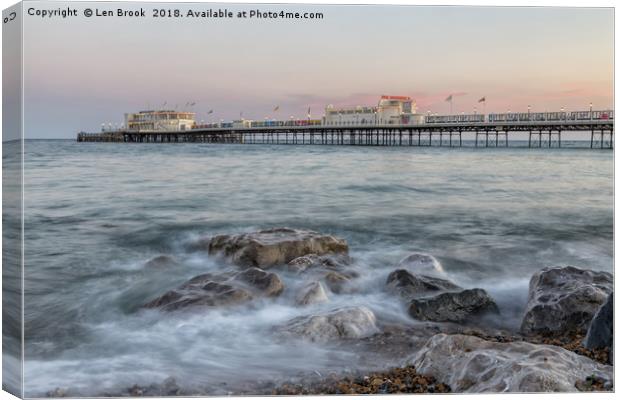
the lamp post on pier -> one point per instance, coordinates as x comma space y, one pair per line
528, 112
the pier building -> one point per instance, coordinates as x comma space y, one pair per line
160, 120
389, 110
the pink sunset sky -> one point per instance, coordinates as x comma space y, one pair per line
83, 72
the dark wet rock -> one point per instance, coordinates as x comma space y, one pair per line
563, 300
312, 293
420, 263
408, 285
271, 247
342, 323
161, 262
473, 365
220, 290
453, 307
600, 333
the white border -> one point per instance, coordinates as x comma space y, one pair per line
558, 3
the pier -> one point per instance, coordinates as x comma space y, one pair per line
484, 134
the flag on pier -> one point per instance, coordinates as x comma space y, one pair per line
449, 99
276, 108
482, 100
308, 112
210, 112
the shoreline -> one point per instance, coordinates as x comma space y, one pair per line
450, 328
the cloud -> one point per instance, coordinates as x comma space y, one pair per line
561, 94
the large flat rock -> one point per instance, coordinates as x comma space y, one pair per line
473, 365
272, 247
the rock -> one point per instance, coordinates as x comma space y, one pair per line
220, 290
206, 293
335, 281
407, 285
452, 307
300, 264
313, 293
268, 283
313, 261
473, 365
161, 261
343, 323
271, 247
563, 300
600, 333
420, 263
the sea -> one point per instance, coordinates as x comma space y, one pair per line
96, 213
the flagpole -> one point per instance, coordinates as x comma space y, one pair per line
450, 98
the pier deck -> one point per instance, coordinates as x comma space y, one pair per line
485, 134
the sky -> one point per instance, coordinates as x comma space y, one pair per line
81, 72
